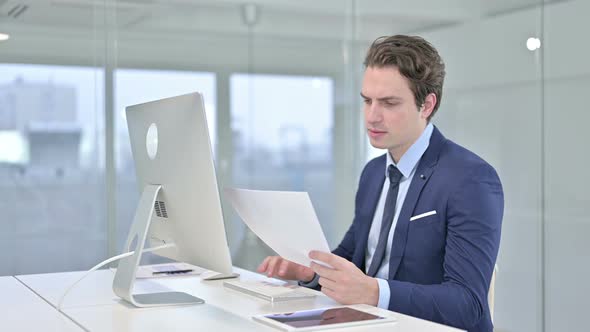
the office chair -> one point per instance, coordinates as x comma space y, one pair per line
491, 292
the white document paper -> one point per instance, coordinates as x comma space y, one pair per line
284, 220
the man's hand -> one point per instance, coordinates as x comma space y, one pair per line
344, 283
278, 266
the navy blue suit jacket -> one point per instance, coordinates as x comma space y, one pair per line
441, 265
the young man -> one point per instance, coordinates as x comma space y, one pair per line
428, 213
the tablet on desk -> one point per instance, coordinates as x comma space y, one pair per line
320, 319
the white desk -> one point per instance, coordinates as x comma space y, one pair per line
93, 305
23, 310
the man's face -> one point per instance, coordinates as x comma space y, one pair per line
392, 119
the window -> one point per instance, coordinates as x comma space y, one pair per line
52, 194
282, 138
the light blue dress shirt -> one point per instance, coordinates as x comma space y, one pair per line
407, 166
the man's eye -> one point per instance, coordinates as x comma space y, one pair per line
367, 101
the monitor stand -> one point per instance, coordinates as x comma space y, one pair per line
127, 268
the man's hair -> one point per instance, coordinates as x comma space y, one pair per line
417, 60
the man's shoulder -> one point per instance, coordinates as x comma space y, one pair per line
373, 168
462, 161
376, 164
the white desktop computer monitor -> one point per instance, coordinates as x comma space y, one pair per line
180, 201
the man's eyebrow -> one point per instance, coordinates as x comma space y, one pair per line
386, 98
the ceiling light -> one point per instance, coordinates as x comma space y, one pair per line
533, 43
4, 36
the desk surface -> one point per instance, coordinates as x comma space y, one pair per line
23, 310
93, 305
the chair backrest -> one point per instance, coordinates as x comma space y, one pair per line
491, 292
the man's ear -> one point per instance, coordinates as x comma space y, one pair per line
428, 106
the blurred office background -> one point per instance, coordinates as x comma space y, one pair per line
281, 82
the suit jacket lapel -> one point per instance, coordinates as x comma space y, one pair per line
425, 167
375, 186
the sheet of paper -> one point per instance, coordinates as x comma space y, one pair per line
284, 220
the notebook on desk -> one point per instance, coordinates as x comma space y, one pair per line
272, 291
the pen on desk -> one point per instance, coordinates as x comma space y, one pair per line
173, 271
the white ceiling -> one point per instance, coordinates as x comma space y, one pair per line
289, 36
315, 19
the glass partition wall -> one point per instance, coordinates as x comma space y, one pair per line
52, 133
281, 82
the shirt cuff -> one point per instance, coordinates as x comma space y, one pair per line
313, 283
384, 293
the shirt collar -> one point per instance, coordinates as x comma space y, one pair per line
410, 159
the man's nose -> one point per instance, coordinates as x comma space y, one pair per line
373, 114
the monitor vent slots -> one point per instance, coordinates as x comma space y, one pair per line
160, 208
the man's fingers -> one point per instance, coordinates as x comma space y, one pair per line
283, 267
319, 255
323, 271
327, 283
262, 267
277, 266
328, 258
271, 266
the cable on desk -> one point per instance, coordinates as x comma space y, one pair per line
103, 263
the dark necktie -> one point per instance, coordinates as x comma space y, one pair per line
388, 213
